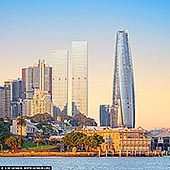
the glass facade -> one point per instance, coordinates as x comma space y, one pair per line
16, 97
123, 107
34, 77
60, 81
104, 115
79, 77
2, 102
5, 100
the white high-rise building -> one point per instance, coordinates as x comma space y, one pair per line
60, 81
79, 64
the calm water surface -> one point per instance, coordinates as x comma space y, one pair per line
91, 163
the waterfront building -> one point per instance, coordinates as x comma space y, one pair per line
135, 140
41, 103
5, 99
60, 81
121, 139
38, 76
107, 133
79, 64
161, 141
104, 115
123, 106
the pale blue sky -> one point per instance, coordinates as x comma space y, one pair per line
30, 29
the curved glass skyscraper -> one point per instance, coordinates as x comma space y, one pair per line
123, 107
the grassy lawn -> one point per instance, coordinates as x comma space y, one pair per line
42, 148
28, 145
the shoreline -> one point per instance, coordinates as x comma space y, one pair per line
73, 154
44, 154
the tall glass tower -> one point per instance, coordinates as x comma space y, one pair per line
123, 106
60, 81
79, 77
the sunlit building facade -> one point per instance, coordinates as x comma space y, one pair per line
79, 64
41, 103
60, 81
38, 76
123, 106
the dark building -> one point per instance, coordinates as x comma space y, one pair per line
161, 141
104, 115
2, 101
5, 100
16, 97
16, 90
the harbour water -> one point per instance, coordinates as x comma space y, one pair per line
90, 163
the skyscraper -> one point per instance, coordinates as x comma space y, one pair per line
16, 97
123, 106
104, 115
38, 76
16, 89
79, 65
2, 102
60, 81
5, 99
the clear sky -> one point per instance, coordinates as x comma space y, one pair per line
30, 29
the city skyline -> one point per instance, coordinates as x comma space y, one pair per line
32, 35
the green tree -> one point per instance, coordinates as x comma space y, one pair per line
4, 130
21, 121
81, 140
72, 139
45, 127
14, 142
99, 139
88, 142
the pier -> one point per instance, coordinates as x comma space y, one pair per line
133, 154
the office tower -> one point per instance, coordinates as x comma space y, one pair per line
123, 106
2, 101
41, 103
60, 81
23, 83
16, 88
104, 115
7, 87
5, 100
26, 107
34, 77
79, 65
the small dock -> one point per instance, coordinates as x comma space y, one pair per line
133, 154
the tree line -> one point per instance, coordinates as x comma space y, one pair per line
81, 141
